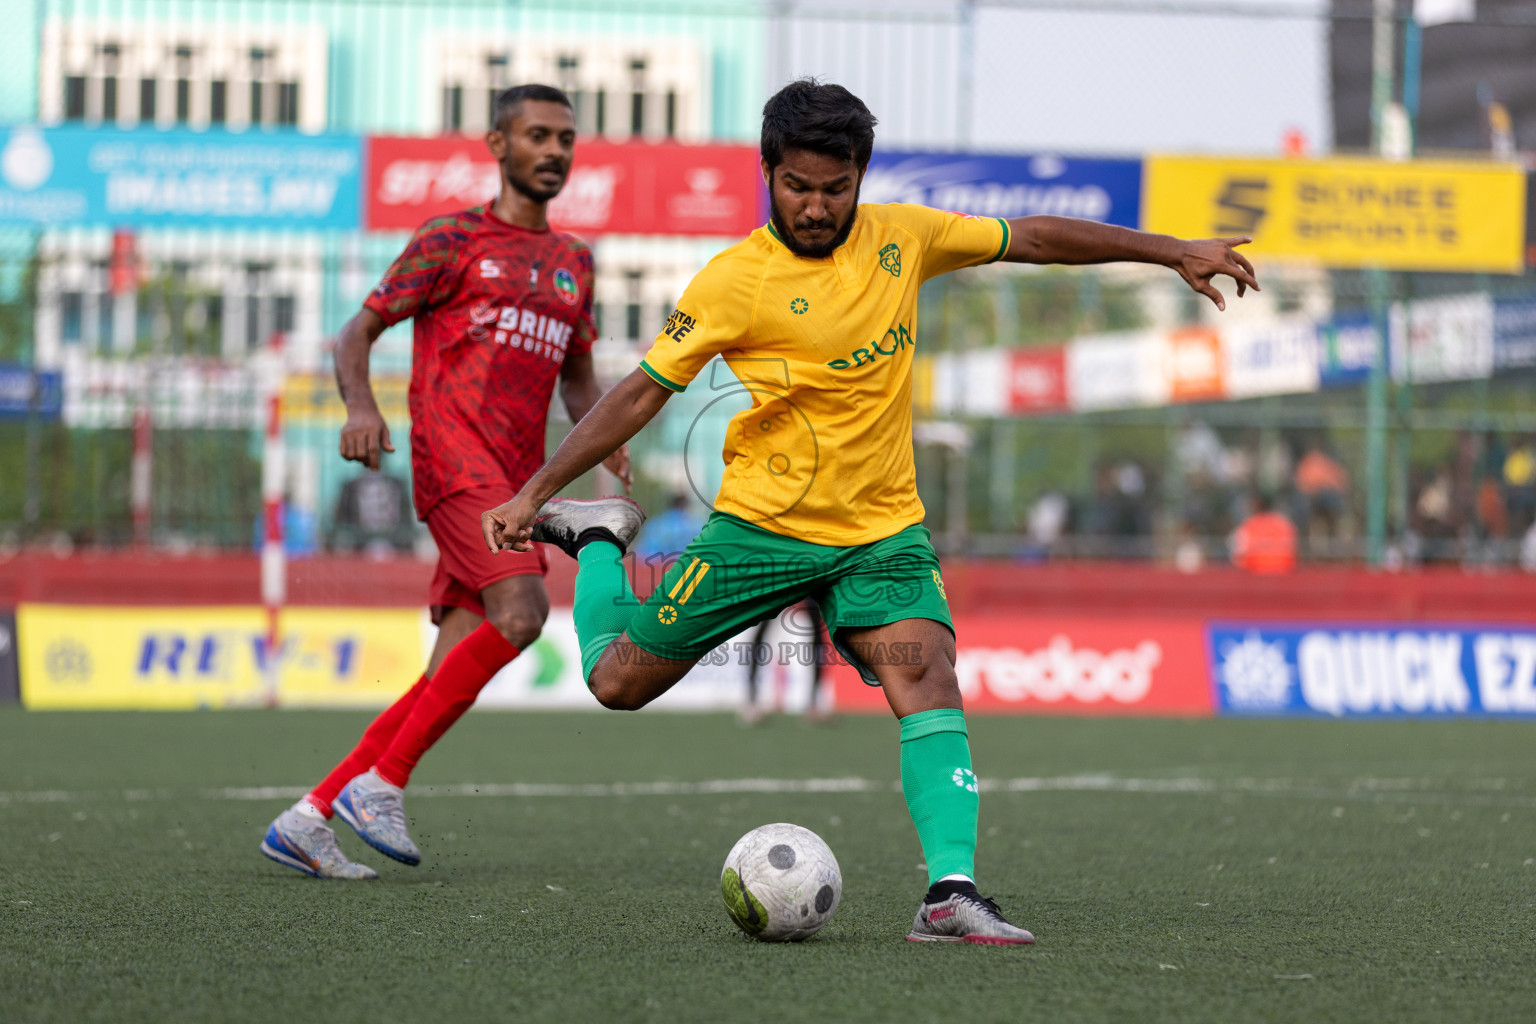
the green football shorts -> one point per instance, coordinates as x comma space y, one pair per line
734, 575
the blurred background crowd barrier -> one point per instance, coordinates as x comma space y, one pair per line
194, 196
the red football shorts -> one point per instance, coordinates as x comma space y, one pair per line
464, 565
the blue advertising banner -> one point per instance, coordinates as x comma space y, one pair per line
1344, 671
989, 185
146, 177
1514, 333
1346, 349
17, 396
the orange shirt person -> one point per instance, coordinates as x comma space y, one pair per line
1265, 543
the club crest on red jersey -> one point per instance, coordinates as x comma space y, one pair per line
565, 286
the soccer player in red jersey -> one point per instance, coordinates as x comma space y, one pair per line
502, 308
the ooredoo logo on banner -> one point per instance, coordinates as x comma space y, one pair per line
614, 188
1068, 666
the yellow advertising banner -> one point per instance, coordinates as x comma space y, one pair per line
82, 656
311, 399
1420, 215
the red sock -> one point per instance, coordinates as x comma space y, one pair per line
375, 738
459, 680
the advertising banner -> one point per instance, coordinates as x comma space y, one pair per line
1420, 215
1016, 185
1192, 365
1079, 666
1116, 371
1377, 671
1278, 358
1449, 338
24, 393
1037, 379
167, 659
1346, 351
150, 177
76, 656
1514, 334
614, 188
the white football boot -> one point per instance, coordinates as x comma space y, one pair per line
966, 916
307, 844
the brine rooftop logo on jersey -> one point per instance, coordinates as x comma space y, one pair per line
522, 328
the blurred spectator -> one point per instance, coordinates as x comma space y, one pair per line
1273, 473
1049, 518
1528, 550
1200, 452
300, 531
1492, 513
1322, 488
373, 514
664, 536
1520, 485
1265, 543
1435, 514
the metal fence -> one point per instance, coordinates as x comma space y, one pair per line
1165, 483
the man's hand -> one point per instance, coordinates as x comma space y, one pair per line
618, 465
364, 436
1203, 259
509, 527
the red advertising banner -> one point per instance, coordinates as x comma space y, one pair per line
637, 188
1037, 379
1073, 666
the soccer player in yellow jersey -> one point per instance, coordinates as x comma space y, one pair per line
816, 314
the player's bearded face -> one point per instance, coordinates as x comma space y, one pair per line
813, 199
539, 145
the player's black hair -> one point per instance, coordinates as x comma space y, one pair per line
823, 118
508, 102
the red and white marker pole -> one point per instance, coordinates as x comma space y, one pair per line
274, 564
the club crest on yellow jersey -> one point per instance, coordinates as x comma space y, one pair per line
890, 259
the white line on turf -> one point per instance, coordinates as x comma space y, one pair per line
1477, 792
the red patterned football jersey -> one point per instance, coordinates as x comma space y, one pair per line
498, 308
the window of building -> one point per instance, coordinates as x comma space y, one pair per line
660, 86
183, 74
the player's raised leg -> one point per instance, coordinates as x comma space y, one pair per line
914, 660
597, 533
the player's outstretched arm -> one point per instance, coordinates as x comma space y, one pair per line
365, 436
1067, 240
617, 417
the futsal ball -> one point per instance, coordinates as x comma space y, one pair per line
781, 883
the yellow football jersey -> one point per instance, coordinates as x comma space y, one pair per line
824, 346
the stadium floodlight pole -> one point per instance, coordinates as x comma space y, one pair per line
274, 567
1376, 390
965, 92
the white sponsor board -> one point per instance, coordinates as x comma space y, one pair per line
1447, 338
1114, 371
548, 675
1278, 358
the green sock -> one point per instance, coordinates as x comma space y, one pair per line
604, 601
941, 790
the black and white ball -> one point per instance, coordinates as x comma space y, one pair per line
781, 883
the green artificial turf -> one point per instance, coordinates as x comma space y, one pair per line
1261, 870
